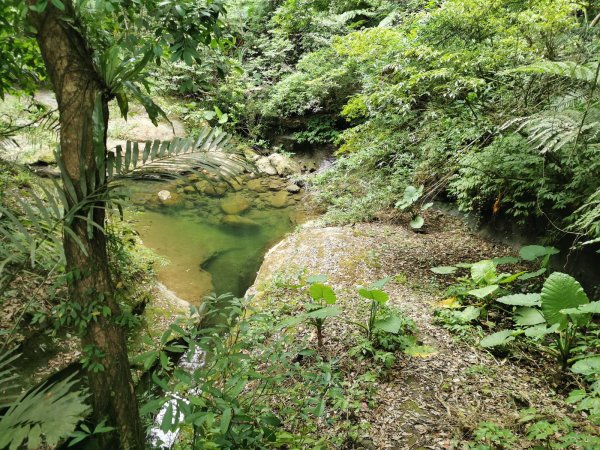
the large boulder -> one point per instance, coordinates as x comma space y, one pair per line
235, 204
284, 165
263, 165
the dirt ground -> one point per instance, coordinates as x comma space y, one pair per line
436, 401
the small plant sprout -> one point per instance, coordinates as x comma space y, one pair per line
320, 307
318, 310
410, 202
378, 298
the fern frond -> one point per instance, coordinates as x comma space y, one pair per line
552, 131
580, 72
587, 220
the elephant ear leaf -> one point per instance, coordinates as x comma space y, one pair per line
587, 366
390, 324
588, 308
497, 339
561, 291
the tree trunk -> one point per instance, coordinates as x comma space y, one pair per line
76, 84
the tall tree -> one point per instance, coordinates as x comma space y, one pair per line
93, 52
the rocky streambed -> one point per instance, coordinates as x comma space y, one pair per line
213, 233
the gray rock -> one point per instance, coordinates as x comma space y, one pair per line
263, 165
284, 165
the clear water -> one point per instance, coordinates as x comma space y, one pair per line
204, 255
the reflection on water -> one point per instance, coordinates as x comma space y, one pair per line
208, 250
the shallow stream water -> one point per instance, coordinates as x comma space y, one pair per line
205, 250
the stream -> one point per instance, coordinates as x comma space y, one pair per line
213, 242
213, 238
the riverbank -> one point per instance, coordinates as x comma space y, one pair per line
436, 399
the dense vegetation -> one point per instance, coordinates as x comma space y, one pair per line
489, 105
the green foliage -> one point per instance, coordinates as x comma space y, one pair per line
539, 434
22, 67
317, 311
409, 202
491, 102
558, 315
251, 386
31, 420
318, 131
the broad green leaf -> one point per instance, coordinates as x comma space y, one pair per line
588, 308
444, 270
390, 324
417, 222
587, 366
505, 260
316, 279
226, 420
468, 314
527, 316
539, 331
320, 291
520, 300
508, 278
483, 271
410, 197
484, 291
323, 313
576, 396
529, 275
379, 284
496, 339
532, 252
167, 421
375, 295
60, 5
561, 291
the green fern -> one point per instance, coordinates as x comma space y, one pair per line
588, 219
587, 72
551, 131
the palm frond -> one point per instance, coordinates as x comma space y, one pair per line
210, 152
45, 415
8, 377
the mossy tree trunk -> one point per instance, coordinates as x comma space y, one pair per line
69, 63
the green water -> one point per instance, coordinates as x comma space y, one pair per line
205, 255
